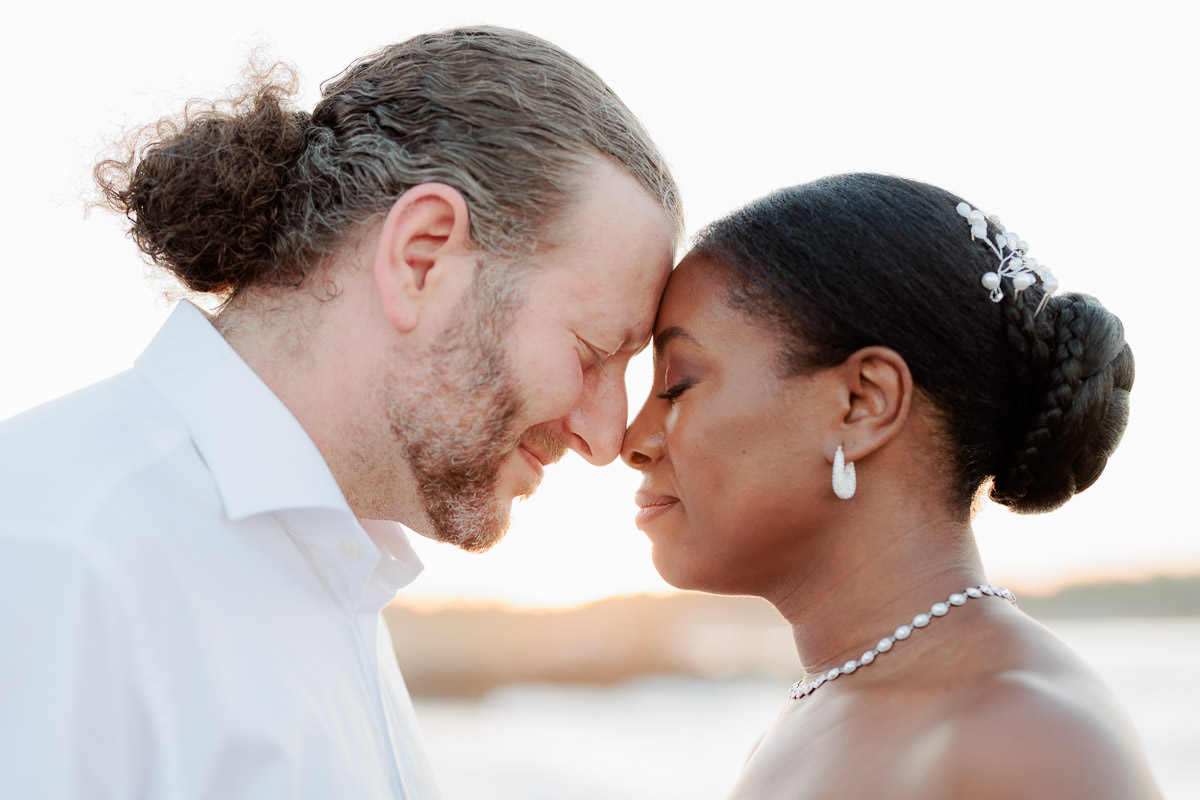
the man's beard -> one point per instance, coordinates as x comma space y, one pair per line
456, 418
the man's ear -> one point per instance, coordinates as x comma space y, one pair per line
877, 391
423, 239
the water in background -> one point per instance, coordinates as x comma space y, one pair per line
685, 738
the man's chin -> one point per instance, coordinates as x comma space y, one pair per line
479, 544
476, 521
474, 527
526, 491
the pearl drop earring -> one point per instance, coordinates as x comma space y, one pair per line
845, 482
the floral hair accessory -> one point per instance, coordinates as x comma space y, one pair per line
1023, 270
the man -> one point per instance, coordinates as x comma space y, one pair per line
428, 290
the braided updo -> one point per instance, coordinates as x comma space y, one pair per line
1084, 369
1033, 403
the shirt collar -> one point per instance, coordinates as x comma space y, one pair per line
399, 564
260, 457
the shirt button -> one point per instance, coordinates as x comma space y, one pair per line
349, 549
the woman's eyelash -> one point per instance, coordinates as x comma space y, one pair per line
674, 391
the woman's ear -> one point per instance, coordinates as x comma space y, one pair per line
423, 242
878, 388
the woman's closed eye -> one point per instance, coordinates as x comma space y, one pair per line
673, 391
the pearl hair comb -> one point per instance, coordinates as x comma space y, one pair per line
1023, 271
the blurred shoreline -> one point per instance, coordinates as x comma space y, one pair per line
469, 650
681, 736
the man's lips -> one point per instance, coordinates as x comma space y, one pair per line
541, 447
535, 460
652, 505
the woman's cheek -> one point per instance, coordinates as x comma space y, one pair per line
671, 421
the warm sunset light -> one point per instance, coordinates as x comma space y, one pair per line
737, 115
559, 665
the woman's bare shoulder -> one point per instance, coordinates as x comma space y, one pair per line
1045, 727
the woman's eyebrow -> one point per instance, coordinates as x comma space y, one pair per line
664, 337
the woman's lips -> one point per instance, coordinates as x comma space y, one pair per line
652, 505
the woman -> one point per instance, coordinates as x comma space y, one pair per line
885, 331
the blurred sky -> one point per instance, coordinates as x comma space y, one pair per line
1074, 122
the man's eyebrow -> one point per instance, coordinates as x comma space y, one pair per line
664, 337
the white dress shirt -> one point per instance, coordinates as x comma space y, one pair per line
188, 607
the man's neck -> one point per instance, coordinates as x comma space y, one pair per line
319, 356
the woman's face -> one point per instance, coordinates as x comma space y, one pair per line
733, 456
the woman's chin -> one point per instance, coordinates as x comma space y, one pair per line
680, 574
690, 576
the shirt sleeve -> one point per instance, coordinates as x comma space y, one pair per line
73, 711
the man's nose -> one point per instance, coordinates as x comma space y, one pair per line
597, 425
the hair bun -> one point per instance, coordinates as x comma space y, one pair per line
203, 192
1082, 411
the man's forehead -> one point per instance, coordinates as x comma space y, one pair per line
635, 342
637, 336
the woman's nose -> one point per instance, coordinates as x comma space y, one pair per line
643, 439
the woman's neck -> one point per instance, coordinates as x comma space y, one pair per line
881, 581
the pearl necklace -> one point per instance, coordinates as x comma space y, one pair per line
803, 688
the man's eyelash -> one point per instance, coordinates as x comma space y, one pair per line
597, 358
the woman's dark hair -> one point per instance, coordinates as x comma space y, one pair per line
251, 191
1034, 402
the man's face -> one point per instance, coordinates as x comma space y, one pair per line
529, 371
